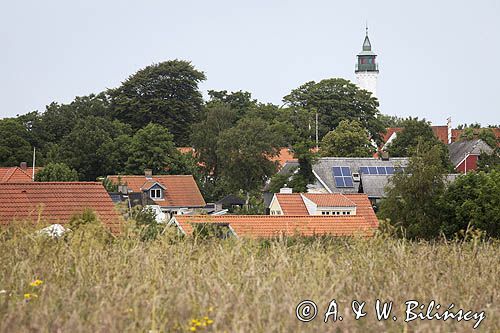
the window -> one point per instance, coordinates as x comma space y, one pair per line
155, 193
343, 177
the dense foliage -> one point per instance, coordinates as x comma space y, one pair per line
336, 100
56, 172
348, 139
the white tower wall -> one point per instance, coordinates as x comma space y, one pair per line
367, 81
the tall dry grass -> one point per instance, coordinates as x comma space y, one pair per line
100, 284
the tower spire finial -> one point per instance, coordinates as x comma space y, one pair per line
366, 27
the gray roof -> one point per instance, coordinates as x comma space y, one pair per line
374, 185
323, 169
460, 149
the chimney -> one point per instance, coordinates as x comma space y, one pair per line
286, 190
24, 166
148, 173
123, 189
385, 156
448, 123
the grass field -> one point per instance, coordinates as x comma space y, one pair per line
90, 284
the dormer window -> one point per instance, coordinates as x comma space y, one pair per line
155, 193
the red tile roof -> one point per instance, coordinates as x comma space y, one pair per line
363, 207
389, 132
268, 226
55, 202
186, 150
292, 204
285, 155
15, 174
441, 132
456, 133
329, 199
181, 190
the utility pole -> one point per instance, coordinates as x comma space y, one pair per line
33, 175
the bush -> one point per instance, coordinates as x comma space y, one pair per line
473, 201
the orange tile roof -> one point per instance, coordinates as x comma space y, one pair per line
329, 199
55, 202
186, 150
363, 207
441, 132
291, 204
267, 226
285, 155
181, 190
389, 132
15, 174
456, 133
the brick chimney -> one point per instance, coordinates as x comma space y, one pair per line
24, 166
148, 173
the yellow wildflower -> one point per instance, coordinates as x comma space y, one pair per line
210, 321
192, 329
29, 296
36, 283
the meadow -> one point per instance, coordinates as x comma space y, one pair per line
88, 282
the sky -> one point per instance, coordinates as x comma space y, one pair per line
437, 59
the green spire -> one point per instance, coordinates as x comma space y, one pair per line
367, 46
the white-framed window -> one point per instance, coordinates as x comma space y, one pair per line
155, 193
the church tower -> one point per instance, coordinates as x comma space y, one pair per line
367, 68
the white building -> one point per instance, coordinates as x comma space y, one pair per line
367, 68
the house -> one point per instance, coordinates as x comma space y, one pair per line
343, 174
17, 174
323, 204
174, 194
374, 186
304, 214
457, 133
441, 132
266, 226
465, 154
55, 202
311, 204
229, 202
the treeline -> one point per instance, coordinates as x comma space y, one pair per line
140, 124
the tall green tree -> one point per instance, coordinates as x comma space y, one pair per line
413, 197
336, 100
165, 93
217, 117
489, 162
349, 139
85, 148
473, 201
245, 151
152, 147
56, 172
239, 101
417, 131
14, 145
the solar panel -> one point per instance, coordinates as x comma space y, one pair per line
390, 170
364, 170
381, 171
343, 177
373, 170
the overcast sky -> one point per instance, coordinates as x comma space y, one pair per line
436, 58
